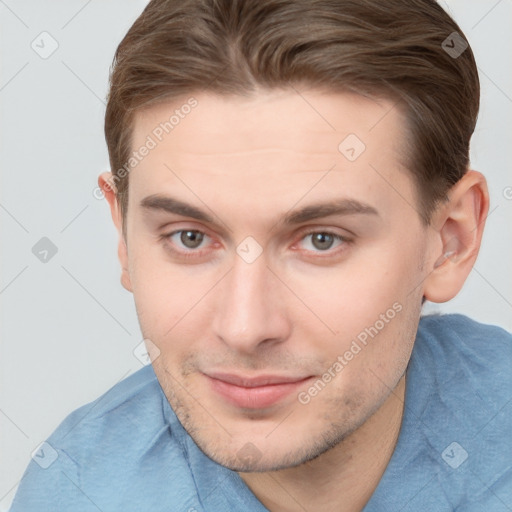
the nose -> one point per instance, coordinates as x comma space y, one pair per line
250, 310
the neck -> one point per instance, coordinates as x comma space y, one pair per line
344, 477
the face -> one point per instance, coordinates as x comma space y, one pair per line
276, 258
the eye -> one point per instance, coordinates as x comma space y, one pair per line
189, 238
322, 241
189, 242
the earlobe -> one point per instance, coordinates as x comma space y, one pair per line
461, 220
122, 253
107, 185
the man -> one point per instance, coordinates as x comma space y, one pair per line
290, 183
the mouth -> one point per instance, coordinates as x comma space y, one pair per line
256, 392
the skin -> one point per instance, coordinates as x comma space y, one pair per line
300, 304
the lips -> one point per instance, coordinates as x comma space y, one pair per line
256, 392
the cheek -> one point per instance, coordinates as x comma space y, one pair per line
159, 294
354, 295
372, 308
172, 301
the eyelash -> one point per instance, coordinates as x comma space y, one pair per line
192, 253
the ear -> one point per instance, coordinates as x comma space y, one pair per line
459, 224
107, 185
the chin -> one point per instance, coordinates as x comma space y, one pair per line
262, 456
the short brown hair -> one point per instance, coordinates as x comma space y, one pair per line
395, 49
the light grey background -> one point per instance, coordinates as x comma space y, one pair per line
68, 327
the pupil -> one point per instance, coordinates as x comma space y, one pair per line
321, 239
191, 239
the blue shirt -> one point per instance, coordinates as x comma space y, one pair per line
127, 451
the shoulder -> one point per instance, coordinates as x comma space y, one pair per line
461, 398
453, 451
464, 363
129, 435
136, 401
456, 343
470, 330
139, 390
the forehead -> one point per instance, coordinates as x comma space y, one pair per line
275, 146
252, 122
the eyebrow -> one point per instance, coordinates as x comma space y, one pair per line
310, 212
